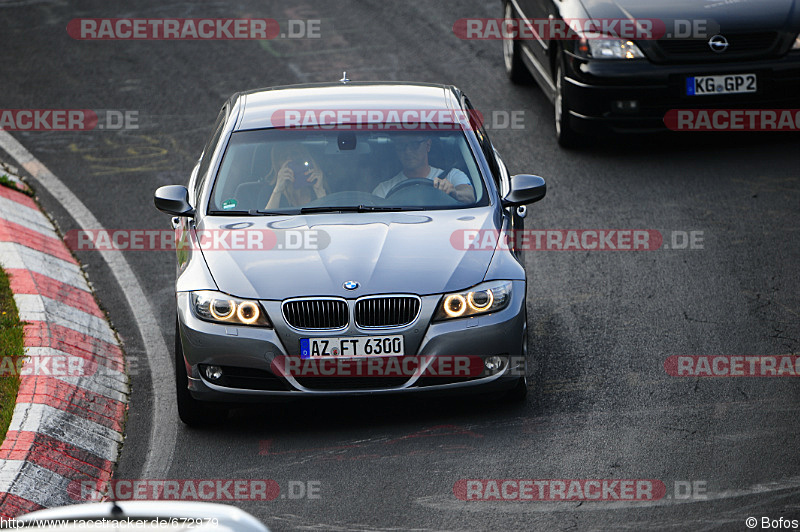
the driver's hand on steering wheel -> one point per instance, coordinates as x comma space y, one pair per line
444, 185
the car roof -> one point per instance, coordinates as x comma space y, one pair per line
259, 106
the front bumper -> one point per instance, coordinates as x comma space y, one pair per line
254, 354
593, 88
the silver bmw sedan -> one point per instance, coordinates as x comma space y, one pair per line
346, 239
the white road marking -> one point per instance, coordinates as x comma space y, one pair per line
163, 430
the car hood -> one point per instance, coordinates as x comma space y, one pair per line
400, 252
722, 15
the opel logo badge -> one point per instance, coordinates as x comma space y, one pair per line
350, 285
718, 44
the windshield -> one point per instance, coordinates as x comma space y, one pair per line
285, 171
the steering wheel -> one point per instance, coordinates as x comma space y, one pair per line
422, 181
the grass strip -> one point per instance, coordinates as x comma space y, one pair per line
12, 353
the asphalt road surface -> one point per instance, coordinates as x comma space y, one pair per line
602, 323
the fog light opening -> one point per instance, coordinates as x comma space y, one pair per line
495, 364
213, 373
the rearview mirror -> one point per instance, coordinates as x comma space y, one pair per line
525, 189
173, 199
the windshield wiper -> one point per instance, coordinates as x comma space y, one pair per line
374, 208
254, 212
356, 208
227, 213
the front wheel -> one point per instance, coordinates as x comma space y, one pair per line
519, 392
512, 54
566, 136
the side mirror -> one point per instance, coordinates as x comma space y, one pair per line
525, 189
173, 199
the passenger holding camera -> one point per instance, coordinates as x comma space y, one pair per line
295, 176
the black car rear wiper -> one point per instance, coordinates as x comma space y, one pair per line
356, 208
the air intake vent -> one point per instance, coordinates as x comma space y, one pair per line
395, 311
316, 314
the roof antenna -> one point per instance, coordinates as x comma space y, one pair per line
116, 511
344, 79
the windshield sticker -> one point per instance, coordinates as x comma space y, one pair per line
229, 204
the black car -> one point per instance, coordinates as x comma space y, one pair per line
700, 54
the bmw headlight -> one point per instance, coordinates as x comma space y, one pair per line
796, 45
608, 49
482, 299
222, 308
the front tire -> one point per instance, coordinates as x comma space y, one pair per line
519, 392
512, 55
566, 136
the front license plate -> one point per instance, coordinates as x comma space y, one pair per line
730, 84
350, 347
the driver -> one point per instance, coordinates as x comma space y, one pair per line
413, 154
